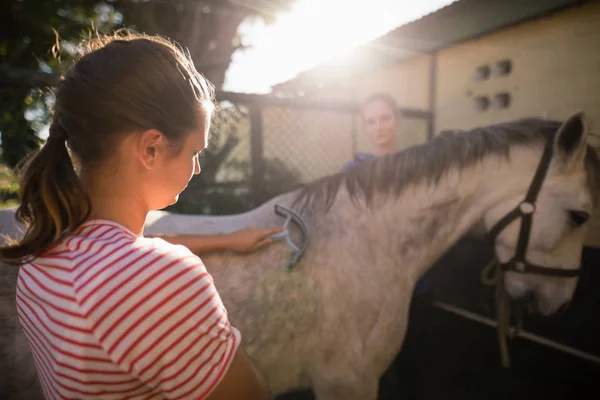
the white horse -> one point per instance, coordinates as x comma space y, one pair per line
335, 321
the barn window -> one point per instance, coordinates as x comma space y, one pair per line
481, 103
482, 72
501, 100
502, 68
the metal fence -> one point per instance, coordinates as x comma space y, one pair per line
281, 141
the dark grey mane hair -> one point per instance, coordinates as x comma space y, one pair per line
429, 161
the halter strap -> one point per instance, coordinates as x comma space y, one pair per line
525, 211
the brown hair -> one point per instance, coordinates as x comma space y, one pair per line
384, 97
121, 83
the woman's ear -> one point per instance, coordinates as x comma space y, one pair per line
151, 145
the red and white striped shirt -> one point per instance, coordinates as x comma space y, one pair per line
112, 315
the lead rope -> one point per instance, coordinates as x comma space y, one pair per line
492, 275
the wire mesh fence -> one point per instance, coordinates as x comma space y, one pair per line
261, 146
311, 142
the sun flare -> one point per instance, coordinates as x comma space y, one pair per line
314, 31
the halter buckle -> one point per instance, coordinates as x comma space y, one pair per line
527, 208
520, 266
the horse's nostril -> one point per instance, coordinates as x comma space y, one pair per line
525, 298
563, 308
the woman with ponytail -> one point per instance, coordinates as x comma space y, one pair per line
109, 313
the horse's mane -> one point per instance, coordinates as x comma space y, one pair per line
459, 149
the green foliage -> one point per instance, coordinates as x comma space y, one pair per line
30, 33
9, 187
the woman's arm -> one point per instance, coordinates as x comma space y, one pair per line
243, 241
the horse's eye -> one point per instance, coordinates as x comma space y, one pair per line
578, 218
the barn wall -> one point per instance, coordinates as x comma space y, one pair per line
555, 72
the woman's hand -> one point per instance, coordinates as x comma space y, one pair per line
250, 239
242, 241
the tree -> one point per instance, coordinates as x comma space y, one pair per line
29, 31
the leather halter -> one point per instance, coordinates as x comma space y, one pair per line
525, 211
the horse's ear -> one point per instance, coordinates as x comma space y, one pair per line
570, 143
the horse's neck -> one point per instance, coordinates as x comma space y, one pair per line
160, 222
429, 218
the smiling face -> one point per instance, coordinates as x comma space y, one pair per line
559, 224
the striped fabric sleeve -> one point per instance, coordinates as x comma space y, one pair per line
157, 314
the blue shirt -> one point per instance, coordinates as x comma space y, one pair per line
423, 285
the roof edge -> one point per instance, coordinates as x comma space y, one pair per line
455, 23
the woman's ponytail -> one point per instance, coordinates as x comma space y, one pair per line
53, 203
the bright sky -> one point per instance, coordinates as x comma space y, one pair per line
314, 31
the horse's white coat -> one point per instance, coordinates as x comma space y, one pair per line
336, 322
